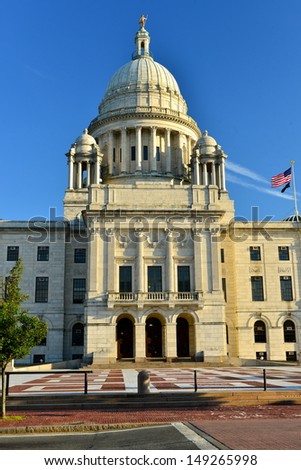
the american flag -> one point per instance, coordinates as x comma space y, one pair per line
282, 178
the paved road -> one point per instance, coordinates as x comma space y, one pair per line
166, 437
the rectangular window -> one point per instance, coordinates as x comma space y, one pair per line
42, 289
261, 355
283, 253
133, 153
157, 154
222, 255
12, 253
255, 254
125, 279
257, 288
154, 276
39, 358
224, 287
291, 356
43, 253
145, 152
114, 154
286, 288
79, 290
183, 278
79, 255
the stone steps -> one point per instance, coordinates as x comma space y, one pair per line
167, 400
154, 365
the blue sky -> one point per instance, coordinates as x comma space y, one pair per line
237, 62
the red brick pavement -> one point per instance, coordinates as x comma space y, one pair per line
255, 434
256, 427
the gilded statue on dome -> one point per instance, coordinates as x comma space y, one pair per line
142, 21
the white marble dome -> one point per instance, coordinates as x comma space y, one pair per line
142, 85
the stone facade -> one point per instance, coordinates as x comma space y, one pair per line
150, 263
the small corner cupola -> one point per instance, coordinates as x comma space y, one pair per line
142, 40
208, 163
207, 145
84, 160
85, 144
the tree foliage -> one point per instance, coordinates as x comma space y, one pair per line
19, 331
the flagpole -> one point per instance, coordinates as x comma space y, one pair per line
294, 189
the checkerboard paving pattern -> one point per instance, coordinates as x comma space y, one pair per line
163, 379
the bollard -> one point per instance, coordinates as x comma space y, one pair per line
264, 380
195, 382
143, 382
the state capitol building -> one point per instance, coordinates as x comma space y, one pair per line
149, 263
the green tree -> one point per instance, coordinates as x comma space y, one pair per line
19, 332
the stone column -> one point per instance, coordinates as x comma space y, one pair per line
153, 162
214, 260
197, 240
180, 155
213, 177
223, 176
169, 262
139, 262
171, 341
138, 150
167, 151
79, 175
196, 169
139, 342
71, 172
95, 253
88, 181
110, 245
124, 155
110, 153
205, 174
97, 171
188, 149
219, 176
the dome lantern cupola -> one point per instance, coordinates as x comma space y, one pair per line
142, 41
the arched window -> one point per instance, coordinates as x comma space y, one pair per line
260, 332
78, 334
289, 331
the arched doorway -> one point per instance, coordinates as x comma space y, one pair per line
182, 337
125, 338
78, 334
153, 336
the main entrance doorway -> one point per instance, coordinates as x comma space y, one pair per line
153, 335
125, 338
